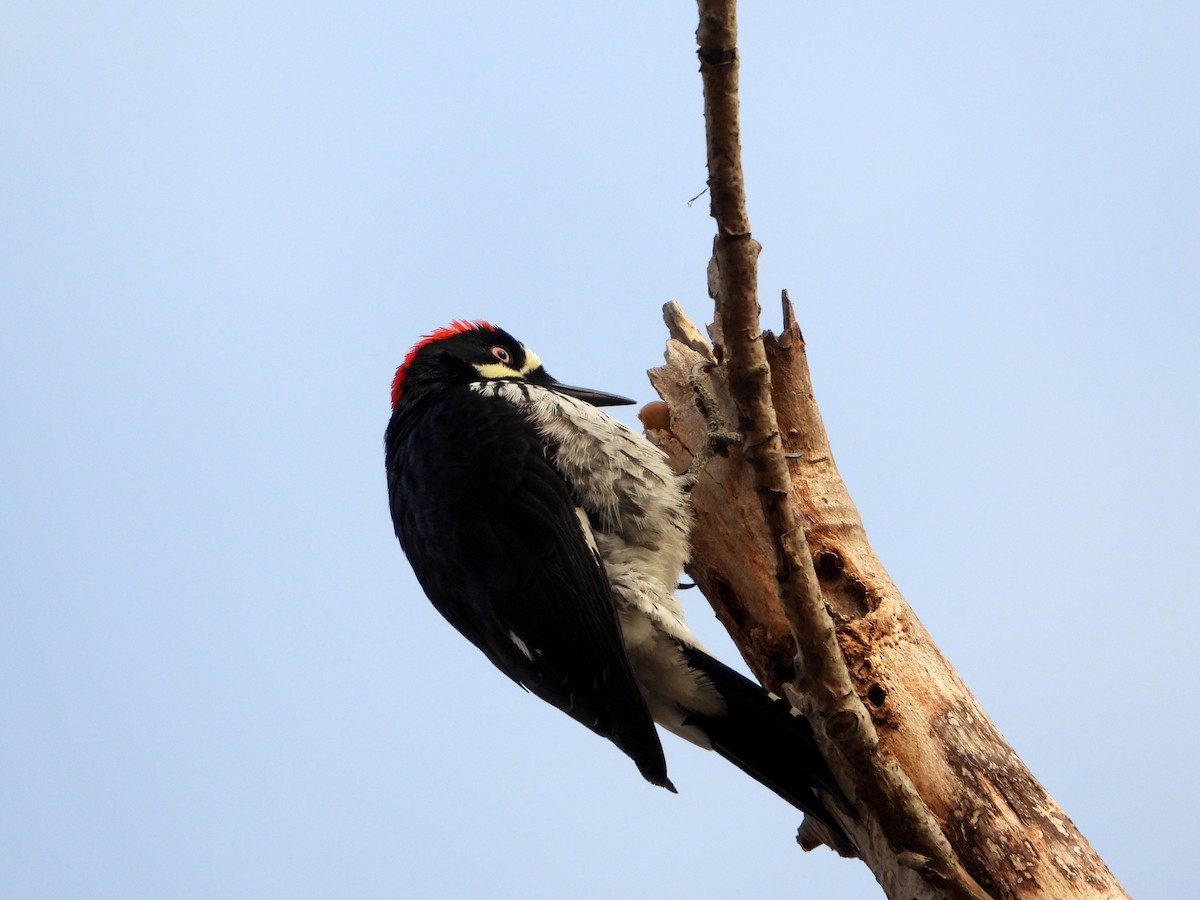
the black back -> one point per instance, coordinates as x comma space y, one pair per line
491, 532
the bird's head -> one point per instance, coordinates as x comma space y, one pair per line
465, 352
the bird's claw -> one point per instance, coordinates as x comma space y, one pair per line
717, 438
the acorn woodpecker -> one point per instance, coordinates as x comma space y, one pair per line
552, 537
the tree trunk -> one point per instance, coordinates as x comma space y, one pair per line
944, 806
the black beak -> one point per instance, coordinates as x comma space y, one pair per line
596, 398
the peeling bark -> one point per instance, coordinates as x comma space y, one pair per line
1008, 835
944, 807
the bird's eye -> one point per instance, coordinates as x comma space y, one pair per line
501, 354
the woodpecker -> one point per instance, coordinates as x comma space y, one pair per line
552, 536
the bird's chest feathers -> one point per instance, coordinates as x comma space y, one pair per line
623, 483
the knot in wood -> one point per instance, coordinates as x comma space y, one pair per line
842, 725
717, 56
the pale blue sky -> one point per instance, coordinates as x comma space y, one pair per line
225, 223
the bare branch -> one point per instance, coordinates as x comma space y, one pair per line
932, 789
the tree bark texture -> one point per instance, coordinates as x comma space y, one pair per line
1005, 831
944, 806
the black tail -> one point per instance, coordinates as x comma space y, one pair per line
763, 737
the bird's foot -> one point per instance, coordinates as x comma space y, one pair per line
718, 438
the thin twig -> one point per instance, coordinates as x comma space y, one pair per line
826, 691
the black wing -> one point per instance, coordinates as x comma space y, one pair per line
492, 534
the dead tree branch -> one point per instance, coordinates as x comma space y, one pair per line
945, 807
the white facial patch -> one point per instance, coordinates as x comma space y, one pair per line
498, 370
531, 360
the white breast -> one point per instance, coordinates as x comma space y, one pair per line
639, 514
640, 519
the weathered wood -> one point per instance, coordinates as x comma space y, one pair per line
944, 806
1008, 833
